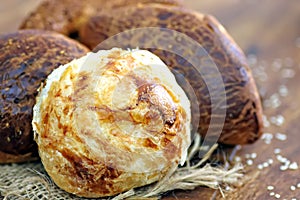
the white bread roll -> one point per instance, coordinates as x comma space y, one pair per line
111, 121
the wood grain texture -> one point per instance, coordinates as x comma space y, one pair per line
269, 30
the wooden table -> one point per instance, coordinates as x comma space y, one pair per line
269, 32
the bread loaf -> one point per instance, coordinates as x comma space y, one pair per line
243, 122
99, 20
67, 16
111, 121
26, 59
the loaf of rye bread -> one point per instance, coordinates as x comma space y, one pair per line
67, 16
26, 59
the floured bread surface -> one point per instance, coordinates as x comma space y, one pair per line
111, 121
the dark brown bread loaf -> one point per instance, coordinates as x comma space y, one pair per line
100, 19
243, 122
26, 59
67, 16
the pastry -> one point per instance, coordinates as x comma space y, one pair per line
111, 121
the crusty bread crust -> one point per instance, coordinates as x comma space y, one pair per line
111, 121
243, 122
67, 16
27, 57
99, 20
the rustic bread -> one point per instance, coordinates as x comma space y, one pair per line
26, 59
98, 20
111, 121
243, 122
67, 16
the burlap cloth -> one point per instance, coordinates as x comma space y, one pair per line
30, 180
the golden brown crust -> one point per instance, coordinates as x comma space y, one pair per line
67, 16
27, 58
109, 122
243, 123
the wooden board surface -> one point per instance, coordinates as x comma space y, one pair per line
269, 31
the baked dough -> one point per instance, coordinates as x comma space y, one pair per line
26, 59
98, 20
243, 122
111, 121
67, 16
